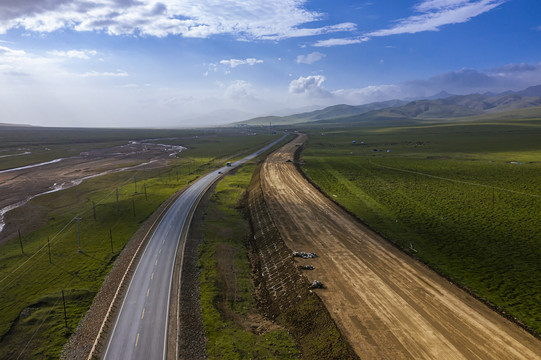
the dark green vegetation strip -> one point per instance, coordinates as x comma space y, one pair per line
32, 323
464, 198
229, 311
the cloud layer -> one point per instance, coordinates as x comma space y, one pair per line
244, 19
311, 86
310, 58
233, 63
430, 15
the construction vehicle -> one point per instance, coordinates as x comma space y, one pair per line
304, 255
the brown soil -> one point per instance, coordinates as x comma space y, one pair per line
17, 186
253, 321
282, 292
225, 255
388, 305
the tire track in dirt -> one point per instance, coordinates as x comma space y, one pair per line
388, 305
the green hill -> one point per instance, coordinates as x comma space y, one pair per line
398, 112
331, 112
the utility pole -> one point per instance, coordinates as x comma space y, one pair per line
94, 209
65, 315
21, 241
79, 232
135, 183
145, 187
111, 237
49, 246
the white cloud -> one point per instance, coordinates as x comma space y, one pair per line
93, 73
431, 16
74, 54
370, 94
244, 19
516, 76
240, 90
514, 68
211, 67
233, 63
437, 13
311, 86
429, 5
337, 42
7, 53
312, 31
17, 62
310, 58
49, 66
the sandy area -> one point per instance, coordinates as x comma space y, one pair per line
388, 305
17, 186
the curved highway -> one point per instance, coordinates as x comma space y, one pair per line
140, 330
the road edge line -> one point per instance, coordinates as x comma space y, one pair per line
128, 268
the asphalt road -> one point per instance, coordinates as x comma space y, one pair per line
140, 330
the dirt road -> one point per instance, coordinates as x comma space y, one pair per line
387, 305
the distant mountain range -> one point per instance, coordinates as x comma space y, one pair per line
439, 106
331, 112
15, 125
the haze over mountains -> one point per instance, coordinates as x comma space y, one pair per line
439, 106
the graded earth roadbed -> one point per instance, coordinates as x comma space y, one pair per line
387, 304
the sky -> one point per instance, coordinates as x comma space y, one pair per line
185, 63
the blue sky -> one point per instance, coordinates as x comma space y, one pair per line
182, 63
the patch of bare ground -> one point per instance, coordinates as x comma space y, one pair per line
282, 292
18, 186
254, 322
387, 304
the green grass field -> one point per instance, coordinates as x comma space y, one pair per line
225, 230
32, 320
46, 144
465, 196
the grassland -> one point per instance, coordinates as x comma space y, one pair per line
228, 306
32, 323
465, 198
46, 144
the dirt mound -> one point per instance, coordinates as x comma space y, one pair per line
283, 292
